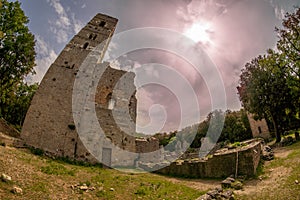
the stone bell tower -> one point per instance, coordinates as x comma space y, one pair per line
49, 123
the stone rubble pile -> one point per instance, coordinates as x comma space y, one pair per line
267, 153
225, 191
82, 187
219, 194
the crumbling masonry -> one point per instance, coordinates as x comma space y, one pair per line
49, 123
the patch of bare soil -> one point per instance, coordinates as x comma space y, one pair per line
281, 152
201, 185
270, 183
272, 178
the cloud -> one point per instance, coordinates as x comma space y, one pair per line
65, 24
282, 7
240, 30
77, 24
45, 57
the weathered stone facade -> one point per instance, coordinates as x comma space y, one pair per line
241, 161
49, 123
259, 128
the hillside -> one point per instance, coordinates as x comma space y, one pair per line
44, 178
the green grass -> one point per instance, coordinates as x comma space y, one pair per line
39, 187
54, 168
44, 178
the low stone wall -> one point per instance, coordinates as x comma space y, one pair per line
146, 145
245, 160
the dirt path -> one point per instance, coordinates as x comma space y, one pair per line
202, 185
271, 179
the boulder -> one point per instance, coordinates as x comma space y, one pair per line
5, 178
84, 187
237, 185
228, 194
204, 197
227, 182
213, 194
267, 153
17, 190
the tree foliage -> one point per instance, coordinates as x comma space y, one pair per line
17, 60
269, 84
288, 51
236, 128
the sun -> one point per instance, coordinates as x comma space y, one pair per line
199, 32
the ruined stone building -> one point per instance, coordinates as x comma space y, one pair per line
259, 128
49, 123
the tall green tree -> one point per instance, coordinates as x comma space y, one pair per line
288, 48
17, 59
236, 127
269, 84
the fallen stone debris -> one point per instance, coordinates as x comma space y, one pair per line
225, 191
231, 183
82, 187
5, 178
17, 190
217, 193
267, 153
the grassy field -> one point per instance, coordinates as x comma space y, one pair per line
43, 178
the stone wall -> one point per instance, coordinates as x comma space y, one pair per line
259, 128
146, 145
220, 165
102, 91
49, 123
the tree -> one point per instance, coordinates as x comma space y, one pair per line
288, 47
18, 104
264, 91
236, 127
269, 84
17, 59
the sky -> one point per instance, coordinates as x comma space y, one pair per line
231, 32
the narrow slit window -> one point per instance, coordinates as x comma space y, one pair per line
85, 45
91, 36
102, 23
259, 130
95, 36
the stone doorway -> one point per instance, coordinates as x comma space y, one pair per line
106, 157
